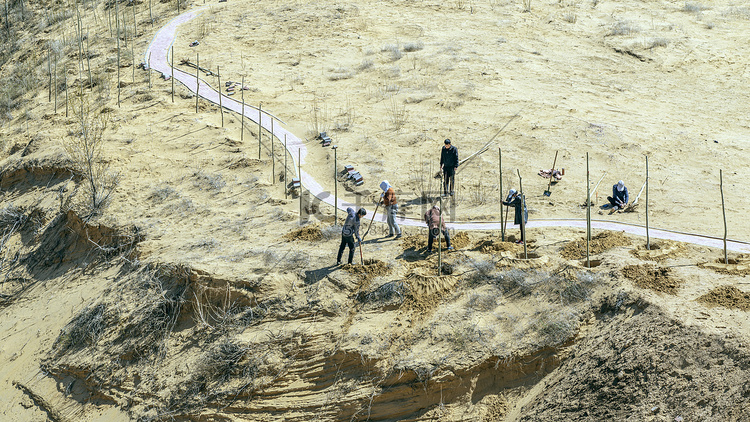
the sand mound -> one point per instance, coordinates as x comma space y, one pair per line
427, 289
309, 233
493, 245
599, 243
728, 297
372, 268
652, 277
460, 240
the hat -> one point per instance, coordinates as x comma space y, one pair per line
620, 185
437, 207
385, 185
447, 141
512, 192
362, 211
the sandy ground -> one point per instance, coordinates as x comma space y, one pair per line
616, 80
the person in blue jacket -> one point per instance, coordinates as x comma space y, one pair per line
349, 232
620, 197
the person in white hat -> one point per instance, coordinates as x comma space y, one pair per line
620, 197
391, 208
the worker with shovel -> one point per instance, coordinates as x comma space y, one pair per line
433, 220
448, 164
518, 202
391, 208
349, 232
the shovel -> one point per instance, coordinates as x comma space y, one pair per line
548, 192
371, 220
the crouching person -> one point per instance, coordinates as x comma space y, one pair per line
432, 218
349, 232
391, 208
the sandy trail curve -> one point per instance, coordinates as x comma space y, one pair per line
157, 55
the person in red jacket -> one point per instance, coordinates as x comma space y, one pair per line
432, 218
391, 208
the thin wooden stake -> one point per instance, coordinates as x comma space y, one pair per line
588, 212
197, 81
500, 168
335, 185
148, 64
55, 83
648, 238
724, 213
135, 24
221, 108
299, 173
172, 69
117, 19
273, 157
65, 72
286, 184
440, 232
49, 72
132, 56
523, 215
242, 118
260, 127
150, 13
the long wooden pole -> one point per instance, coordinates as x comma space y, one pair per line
273, 157
49, 71
439, 245
65, 72
221, 108
56, 85
117, 19
648, 238
242, 118
172, 69
148, 64
88, 63
523, 216
500, 168
335, 185
299, 174
260, 127
724, 213
286, 184
588, 213
197, 81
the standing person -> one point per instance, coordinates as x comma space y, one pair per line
620, 196
349, 232
518, 202
448, 164
432, 218
391, 208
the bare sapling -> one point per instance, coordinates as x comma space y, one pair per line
84, 147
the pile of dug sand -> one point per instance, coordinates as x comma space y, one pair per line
372, 268
728, 297
599, 243
459, 241
308, 233
493, 245
652, 277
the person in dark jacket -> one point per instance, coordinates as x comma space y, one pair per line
432, 218
349, 232
620, 196
515, 200
448, 164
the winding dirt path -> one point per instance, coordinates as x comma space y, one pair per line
158, 55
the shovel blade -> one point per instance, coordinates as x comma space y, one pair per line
547, 193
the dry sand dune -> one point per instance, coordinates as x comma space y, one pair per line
195, 295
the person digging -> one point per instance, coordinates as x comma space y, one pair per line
391, 208
432, 218
515, 200
448, 164
619, 198
349, 232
